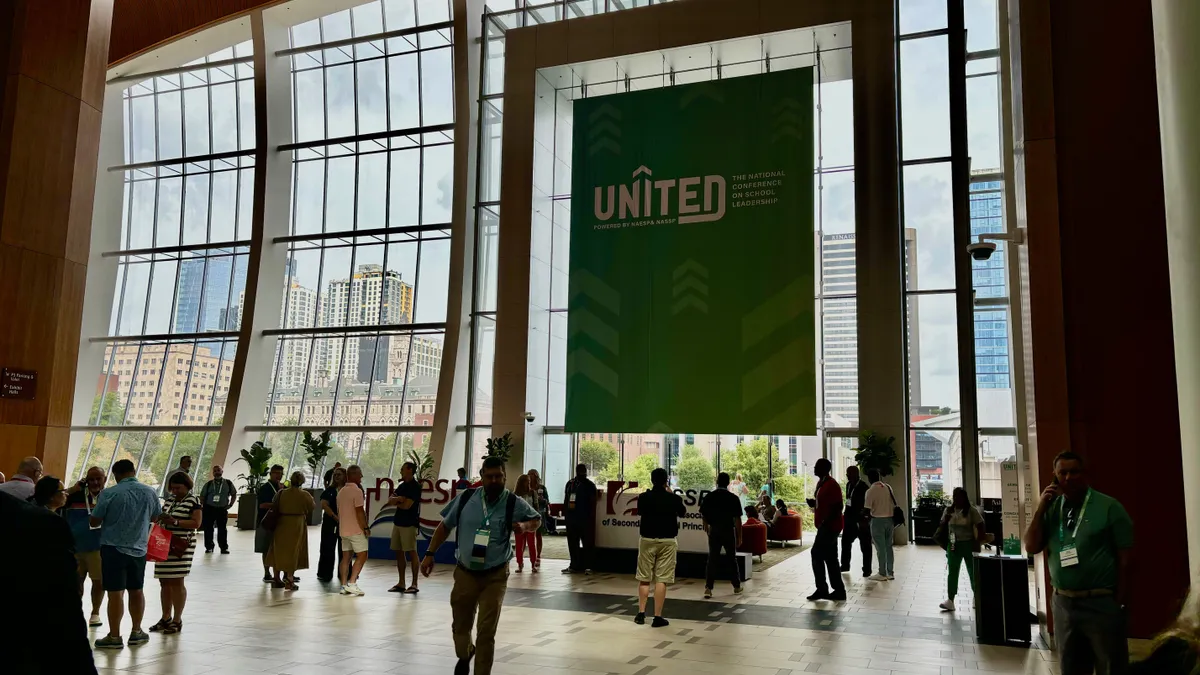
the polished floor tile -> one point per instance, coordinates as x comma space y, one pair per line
572, 625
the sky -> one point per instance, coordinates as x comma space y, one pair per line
416, 88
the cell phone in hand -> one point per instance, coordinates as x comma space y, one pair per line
812, 503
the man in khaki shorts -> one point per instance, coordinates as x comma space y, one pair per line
407, 502
660, 511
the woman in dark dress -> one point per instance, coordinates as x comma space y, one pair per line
329, 527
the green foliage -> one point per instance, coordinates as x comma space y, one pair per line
316, 448
639, 471
695, 472
381, 457
876, 452
601, 459
114, 412
258, 464
424, 461
500, 446
750, 460
792, 489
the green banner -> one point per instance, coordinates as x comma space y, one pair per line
691, 265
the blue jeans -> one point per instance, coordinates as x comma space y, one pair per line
881, 534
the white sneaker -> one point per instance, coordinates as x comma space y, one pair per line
947, 605
346, 589
94, 620
354, 589
877, 577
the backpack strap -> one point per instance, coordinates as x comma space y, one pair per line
509, 509
463, 498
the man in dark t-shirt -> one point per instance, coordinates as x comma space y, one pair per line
660, 510
722, 514
407, 502
579, 508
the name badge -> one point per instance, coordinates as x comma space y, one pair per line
1068, 557
953, 539
480, 547
216, 500
571, 501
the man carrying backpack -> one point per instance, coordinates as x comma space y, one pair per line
484, 519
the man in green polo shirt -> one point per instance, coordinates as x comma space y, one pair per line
1087, 537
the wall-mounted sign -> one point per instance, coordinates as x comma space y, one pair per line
20, 384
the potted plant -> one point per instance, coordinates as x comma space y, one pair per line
316, 449
500, 446
258, 464
876, 452
424, 461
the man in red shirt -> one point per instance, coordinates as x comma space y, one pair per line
828, 519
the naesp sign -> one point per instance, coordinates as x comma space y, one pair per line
617, 524
435, 494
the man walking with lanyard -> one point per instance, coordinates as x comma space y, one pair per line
217, 496
579, 508
485, 519
855, 526
1087, 537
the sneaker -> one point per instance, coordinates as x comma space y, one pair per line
947, 606
520, 570
659, 622
640, 619
819, 595
110, 642
138, 637
267, 578
568, 570
355, 590
208, 550
587, 573
838, 596
707, 593
94, 620
737, 590
346, 590
877, 577
224, 551
891, 577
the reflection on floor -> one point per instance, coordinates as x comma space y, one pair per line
572, 625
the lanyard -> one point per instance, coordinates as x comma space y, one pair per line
1078, 519
487, 515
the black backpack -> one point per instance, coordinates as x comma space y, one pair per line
510, 508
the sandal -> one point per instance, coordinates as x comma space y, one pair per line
397, 589
160, 626
172, 628
411, 590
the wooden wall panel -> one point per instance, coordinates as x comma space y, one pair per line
140, 24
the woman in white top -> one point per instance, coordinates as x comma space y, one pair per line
881, 503
964, 526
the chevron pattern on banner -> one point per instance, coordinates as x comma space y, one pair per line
605, 132
690, 289
586, 331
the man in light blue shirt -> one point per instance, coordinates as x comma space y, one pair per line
124, 512
485, 519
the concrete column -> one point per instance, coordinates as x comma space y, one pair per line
54, 59
1177, 55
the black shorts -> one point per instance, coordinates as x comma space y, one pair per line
121, 572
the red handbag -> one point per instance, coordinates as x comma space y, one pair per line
158, 546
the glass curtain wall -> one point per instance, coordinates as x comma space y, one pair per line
938, 439
364, 312
181, 267
691, 459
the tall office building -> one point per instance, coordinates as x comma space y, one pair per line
299, 311
208, 287
369, 297
839, 345
992, 370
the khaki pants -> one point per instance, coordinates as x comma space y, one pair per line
483, 591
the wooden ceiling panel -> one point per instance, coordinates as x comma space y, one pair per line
141, 24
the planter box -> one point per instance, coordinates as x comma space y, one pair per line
247, 511
317, 514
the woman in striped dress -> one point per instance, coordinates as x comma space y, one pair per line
181, 516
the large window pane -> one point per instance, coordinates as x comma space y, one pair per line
925, 98
929, 227
933, 357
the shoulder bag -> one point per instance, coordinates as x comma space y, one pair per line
941, 536
897, 512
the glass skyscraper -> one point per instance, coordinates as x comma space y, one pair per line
988, 280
